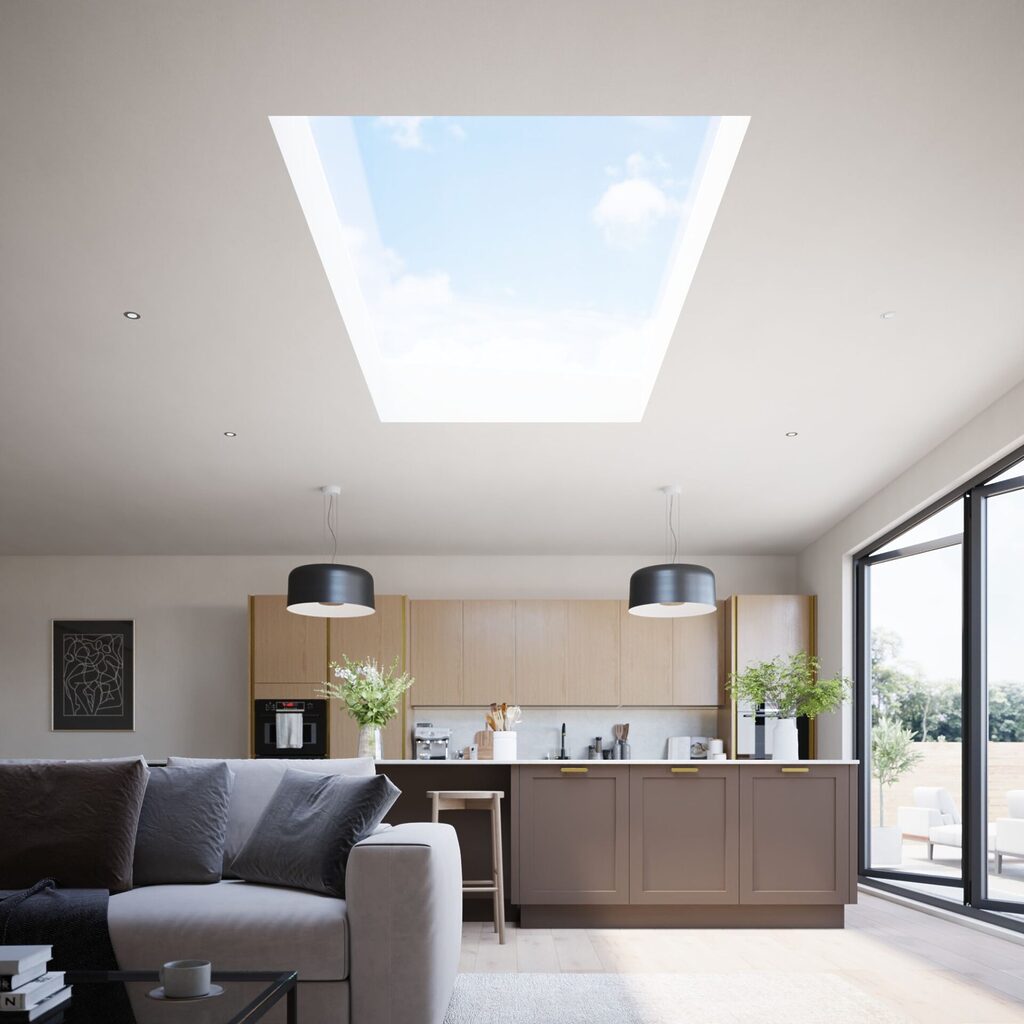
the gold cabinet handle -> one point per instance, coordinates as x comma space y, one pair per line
686, 771
574, 771
794, 771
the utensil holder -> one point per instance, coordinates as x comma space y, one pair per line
504, 745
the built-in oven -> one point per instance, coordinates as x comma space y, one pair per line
290, 728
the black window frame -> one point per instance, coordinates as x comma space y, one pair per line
973, 879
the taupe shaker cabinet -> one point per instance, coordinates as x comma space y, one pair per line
755, 835
573, 834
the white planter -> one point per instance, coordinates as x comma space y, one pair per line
785, 742
886, 846
505, 745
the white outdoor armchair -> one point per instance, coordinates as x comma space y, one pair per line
1010, 831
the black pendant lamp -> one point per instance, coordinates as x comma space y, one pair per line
672, 590
326, 589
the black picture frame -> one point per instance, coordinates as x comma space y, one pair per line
93, 686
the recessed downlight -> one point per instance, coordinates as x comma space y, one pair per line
230, 433
792, 433
889, 314
130, 314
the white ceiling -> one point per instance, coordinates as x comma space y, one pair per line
882, 170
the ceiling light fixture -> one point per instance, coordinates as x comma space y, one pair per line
230, 433
326, 589
130, 314
888, 314
792, 433
672, 590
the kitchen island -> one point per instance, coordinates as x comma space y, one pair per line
655, 843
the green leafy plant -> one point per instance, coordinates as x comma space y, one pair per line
369, 693
789, 687
892, 756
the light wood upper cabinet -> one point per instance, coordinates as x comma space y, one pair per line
696, 669
593, 653
436, 652
488, 652
768, 625
645, 659
286, 648
541, 643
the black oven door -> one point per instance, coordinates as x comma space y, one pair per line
291, 728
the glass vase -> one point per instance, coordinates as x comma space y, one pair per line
370, 742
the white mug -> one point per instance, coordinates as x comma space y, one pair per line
185, 979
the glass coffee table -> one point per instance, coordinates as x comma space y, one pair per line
247, 997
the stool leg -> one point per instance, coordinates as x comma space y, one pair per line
434, 809
499, 870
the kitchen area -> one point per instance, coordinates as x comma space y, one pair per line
686, 826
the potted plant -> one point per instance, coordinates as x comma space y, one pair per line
788, 688
892, 756
370, 694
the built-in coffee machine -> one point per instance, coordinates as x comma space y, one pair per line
290, 728
431, 742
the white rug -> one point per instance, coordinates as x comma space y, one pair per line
741, 997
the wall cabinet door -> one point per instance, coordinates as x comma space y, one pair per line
573, 835
541, 642
684, 834
488, 652
286, 648
645, 660
436, 652
382, 637
795, 834
592, 658
696, 671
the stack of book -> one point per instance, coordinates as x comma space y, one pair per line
28, 992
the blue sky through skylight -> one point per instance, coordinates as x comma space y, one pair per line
502, 268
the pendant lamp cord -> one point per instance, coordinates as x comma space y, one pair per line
332, 515
672, 528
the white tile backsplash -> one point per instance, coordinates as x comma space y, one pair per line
540, 730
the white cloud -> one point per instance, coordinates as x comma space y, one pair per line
406, 132
629, 209
456, 131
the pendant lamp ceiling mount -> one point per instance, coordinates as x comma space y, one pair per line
673, 589
328, 589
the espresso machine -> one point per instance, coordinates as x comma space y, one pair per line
430, 742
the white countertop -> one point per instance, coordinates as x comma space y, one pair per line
611, 764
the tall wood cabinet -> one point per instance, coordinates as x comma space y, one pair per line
289, 656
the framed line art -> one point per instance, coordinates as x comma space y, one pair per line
93, 675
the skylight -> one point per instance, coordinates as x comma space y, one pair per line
510, 269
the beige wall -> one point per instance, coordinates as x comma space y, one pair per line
191, 630
825, 567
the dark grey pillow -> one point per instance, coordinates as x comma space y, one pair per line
73, 821
182, 826
309, 828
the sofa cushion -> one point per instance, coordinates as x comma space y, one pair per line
72, 821
255, 783
182, 825
235, 925
309, 828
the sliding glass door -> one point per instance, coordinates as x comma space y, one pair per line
940, 699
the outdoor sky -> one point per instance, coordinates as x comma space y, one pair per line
525, 237
919, 597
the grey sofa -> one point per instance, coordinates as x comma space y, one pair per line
386, 954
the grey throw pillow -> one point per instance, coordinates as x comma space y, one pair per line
309, 828
182, 826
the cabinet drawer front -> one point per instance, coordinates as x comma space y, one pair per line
573, 836
795, 834
684, 835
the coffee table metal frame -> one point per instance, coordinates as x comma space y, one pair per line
279, 983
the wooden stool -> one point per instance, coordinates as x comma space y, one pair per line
479, 800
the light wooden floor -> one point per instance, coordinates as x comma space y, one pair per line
934, 971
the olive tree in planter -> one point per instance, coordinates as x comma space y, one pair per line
788, 688
892, 756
